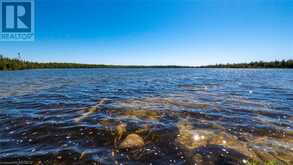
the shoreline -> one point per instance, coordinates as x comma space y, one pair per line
11, 64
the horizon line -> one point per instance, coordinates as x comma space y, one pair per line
143, 65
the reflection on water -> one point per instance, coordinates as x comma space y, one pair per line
147, 116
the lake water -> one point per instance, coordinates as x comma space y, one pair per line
146, 116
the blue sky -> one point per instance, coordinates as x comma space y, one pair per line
159, 32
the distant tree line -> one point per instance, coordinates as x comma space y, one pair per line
256, 64
18, 64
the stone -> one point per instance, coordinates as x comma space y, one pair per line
120, 129
132, 141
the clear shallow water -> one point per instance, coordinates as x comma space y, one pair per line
173, 116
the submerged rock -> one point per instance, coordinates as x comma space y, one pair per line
120, 129
217, 154
158, 103
144, 114
178, 103
132, 141
273, 149
90, 111
190, 138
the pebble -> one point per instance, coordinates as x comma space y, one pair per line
132, 141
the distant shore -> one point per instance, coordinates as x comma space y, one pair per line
18, 64
257, 64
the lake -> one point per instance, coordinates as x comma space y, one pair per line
146, 116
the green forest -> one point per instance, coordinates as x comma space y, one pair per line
256, 64
18, 64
